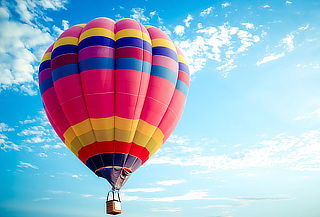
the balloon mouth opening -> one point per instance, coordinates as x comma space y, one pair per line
98, 171
116, 176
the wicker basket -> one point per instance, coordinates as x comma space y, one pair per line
113, 203
113, 207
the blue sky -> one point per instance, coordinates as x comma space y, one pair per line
248, 144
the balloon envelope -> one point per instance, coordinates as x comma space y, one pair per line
113, 92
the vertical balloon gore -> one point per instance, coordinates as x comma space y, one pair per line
113, 92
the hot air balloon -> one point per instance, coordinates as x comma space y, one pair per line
113, 92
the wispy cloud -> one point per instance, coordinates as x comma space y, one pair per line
313, 114
248, 25
20, 52
56, 146
206, 12
226, 4
192, 195
309, 66
271, 57
58, 192
5, 128
86, 195
27, 121
179, 30
256, 199
34, 130
170, 182
203, 195
148, 190
76, 176
289, 152
187, 21
125, 197
27, 165
288, 42
7, 145
221, 44
165, 209
138, 14
42, 154
43, 199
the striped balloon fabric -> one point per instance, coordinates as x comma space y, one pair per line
113, 92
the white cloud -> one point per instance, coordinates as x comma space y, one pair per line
53, 4
32, 9
152, 13
143, 190
165, 30
302, 28
6, 145
56, 146
288, 152
26, 165
4, 13
179, 30
192, 195
42, 154
76, 176
221, 44
228, 66
65, 24
187, 21
35, 140
313, 114
138, 15
310, 66
266, 6
226, 4
177, 139
58, 192
27, 121
2, 136
34, 130
170, 182
124, 197
5, 128
17, 55
270, 58
86, 195
165, 209
206, 12
43, 199
288, 2
288, 42
248, 25
258, 199
21, 51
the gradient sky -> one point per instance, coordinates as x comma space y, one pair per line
248, 144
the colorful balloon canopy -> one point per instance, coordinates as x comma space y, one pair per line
113, 92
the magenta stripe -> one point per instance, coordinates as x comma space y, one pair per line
96, 51
129, 24
157, 33
72, 32
165, 62
44, 74
100, 23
